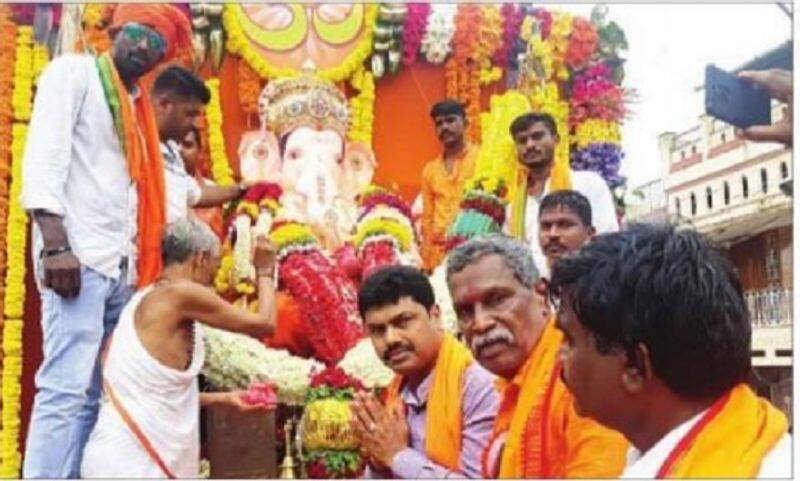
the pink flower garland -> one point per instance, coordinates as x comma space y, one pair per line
414, 29
595, 95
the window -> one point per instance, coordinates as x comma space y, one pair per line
726, 192
764, 181
709, 198
745, 187
784, 170
694, 149
693, 201
683, 154
722, 138
677, 206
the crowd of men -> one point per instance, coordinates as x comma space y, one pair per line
583, 351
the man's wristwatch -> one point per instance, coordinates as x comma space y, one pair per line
54, 252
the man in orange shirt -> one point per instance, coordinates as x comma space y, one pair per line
658, 346
506, 322
443, 179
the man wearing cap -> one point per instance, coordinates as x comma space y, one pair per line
94, 186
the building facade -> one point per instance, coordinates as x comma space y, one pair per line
739, 194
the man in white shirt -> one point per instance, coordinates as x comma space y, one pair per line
535, 136
178, 98
657, 347
84, 206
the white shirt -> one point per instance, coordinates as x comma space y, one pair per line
74, 167
594, 188
182, 190
776, 464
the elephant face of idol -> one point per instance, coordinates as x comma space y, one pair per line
311, 164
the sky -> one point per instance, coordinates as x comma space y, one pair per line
669, 47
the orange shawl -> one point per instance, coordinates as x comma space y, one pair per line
146, 169
546, 437
730, 441
443, 425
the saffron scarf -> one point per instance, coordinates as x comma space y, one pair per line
138, 135
525, 402
444, 415
730, 441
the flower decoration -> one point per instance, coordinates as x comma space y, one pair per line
326, 297
596, 95
414, 29
362, 106
220, 167
22, 99
603, 158
236, 361
512, 21
582, 43
327, 433
439, 31
249, 85
362, 363
238, 44
594, 131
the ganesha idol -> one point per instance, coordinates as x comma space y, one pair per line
301, 146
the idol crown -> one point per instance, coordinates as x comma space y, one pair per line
288, 103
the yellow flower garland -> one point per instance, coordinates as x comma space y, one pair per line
23, 74
41, 56
238, 44
220, 167
389, 227
595, 131
362, 107
16, 240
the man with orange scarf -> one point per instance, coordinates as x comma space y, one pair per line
440, 407
659, 348
94, 185
504, 318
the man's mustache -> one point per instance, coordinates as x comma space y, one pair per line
394, 350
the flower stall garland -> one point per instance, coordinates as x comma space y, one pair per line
220, 167
15, 275
238, 44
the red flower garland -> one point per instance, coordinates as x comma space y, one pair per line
545, 19
512, 21
327, 302
595, 95
377, 254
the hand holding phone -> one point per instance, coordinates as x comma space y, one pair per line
735, 100
778, 84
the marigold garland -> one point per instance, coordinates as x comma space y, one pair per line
238, 44
362, 106
23, 74
220, 167
16, 240
595, 131
249, 88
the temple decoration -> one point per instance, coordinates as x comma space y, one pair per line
388, 39
278, 40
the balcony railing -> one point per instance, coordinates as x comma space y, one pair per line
770, 307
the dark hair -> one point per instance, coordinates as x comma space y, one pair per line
669, 289
525, 121
183, 83
448, 107
386, 286
573, 200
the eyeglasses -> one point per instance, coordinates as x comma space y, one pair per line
136, 32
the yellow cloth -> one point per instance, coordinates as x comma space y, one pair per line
441, 195
560, 179
444, 415
735, 441
546, 437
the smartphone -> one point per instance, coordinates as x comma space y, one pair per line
734, 100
